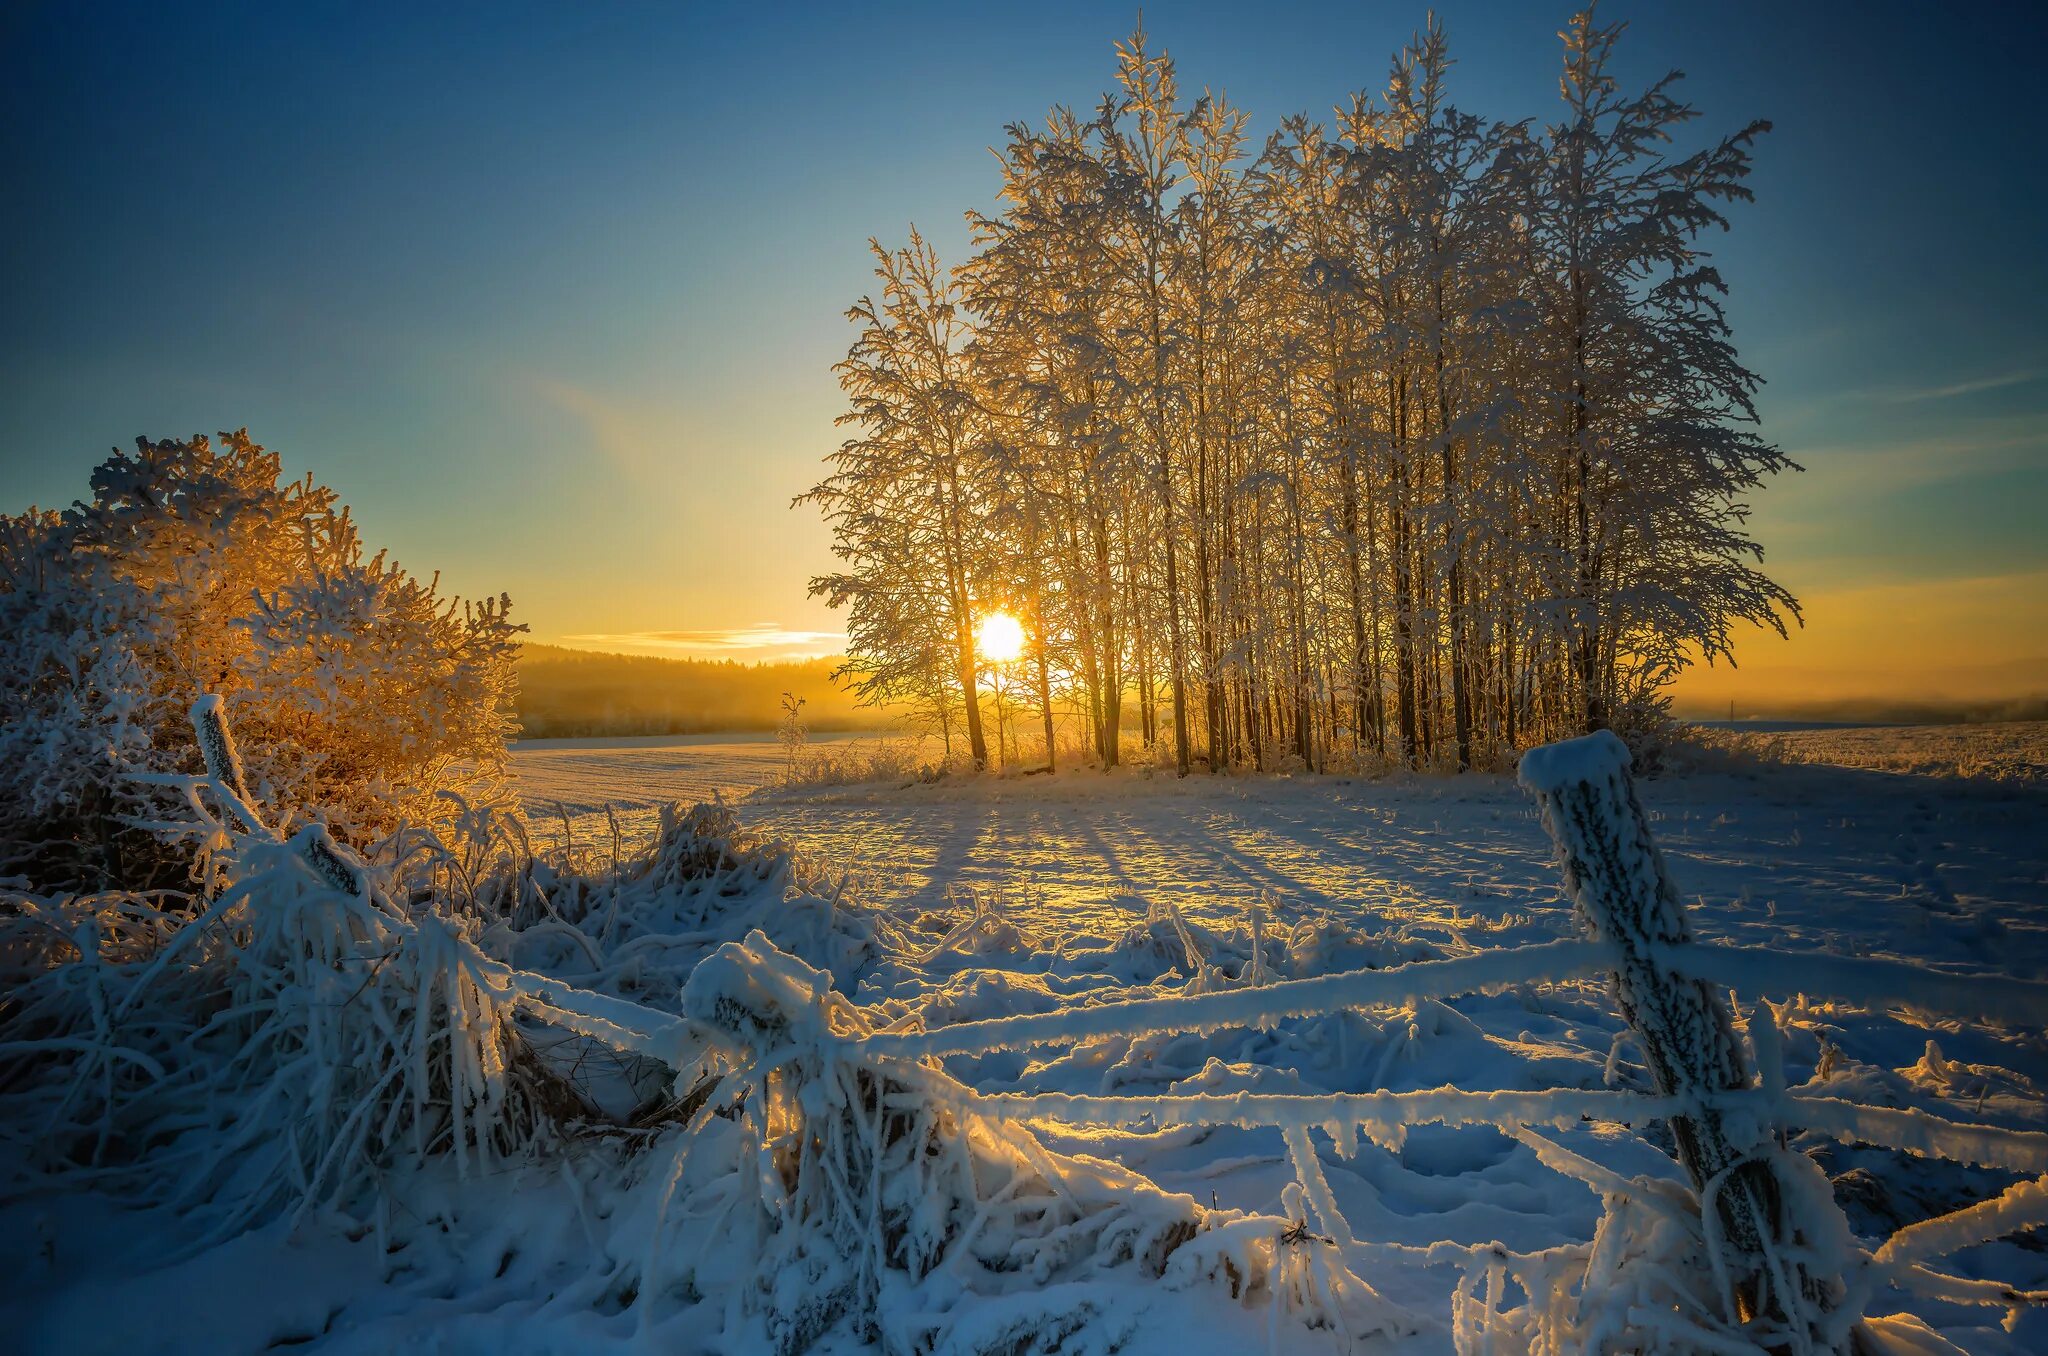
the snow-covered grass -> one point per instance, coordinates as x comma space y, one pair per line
893, 759
2007, 751
1081, 902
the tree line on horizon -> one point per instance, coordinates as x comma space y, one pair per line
1409, 436
565, 693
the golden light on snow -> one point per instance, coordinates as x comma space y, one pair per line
1001, 639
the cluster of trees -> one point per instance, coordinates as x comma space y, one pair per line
1409, 436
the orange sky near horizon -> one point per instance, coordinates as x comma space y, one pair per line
1947, 640
1940, 641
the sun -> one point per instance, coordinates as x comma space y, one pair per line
1001, 639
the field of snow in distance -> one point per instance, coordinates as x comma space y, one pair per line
2012, 751
635, 775
1839, 857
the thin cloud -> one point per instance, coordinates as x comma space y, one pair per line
1961, 388
1981, 447
762, 640
636, 439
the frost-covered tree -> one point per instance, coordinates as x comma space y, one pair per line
1655, 416
362, 695
1144, 137
1066, 462
906, 497
1212, 263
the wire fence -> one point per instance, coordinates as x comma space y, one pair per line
1382, 1115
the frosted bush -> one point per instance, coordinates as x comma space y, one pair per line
987, 930
856, 761
1323, 944
874, 1195
362, 693
1166, 941
635, 927
354, 1040
67, 970
284, 1048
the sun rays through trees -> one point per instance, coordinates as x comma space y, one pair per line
1408, 437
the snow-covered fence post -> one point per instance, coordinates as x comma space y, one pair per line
224, 773
1618, 884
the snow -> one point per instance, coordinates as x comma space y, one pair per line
637, 775
1252, 1001
1589, 758
1938, 873
2007, 751
1867, 980
1479, 972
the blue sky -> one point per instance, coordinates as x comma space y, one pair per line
551, 295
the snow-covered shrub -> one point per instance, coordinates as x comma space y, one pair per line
373, 1039
1166, 941
986, 931
889, 760
284, 1047
67, 970
792, 732
1323, 944
875, 1195
1642, 717
635, 927
362, 692
703, 847
1652, 1282
871, 1181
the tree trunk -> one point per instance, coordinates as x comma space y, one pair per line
1461, 701
963, 629
1045, 706
1404, 584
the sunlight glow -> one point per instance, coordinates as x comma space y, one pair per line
1002, 638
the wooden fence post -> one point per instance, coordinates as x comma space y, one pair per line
1622, 892
224, 770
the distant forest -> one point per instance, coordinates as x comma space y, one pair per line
571, 693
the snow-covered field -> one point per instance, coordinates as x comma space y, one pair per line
1009, 897
1840, 857
2014, 751
635, 776
1856, 860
